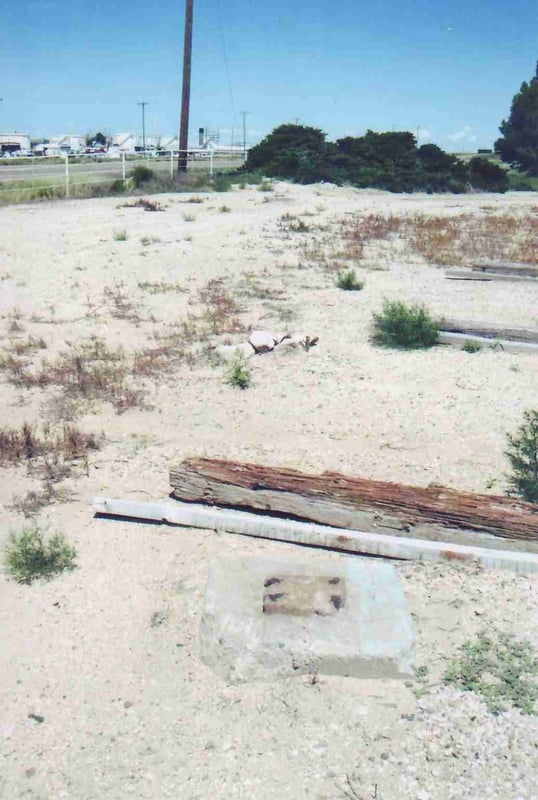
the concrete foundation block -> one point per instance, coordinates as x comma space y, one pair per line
265, 618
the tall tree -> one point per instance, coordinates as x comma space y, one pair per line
518, 145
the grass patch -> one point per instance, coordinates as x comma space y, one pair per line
221, 308
444, 240
120, 236
88, 371
28, 443
522, 454
348, 281
405, 327
160, 287
31, 555
501, 669
120, 305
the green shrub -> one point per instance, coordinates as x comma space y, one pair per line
487, 176
523, 456
348, 281
120, 236
239, 375
408, 327
222, 183
141, 175
471, 347
30, 556
501, 669
117, 187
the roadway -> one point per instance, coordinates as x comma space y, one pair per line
42, 169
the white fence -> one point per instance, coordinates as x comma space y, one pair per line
62, 174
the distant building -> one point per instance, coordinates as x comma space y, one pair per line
124, 142
14, 142
66, 143
169, 143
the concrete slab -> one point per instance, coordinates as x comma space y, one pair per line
267, 618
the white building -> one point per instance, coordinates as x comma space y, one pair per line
124, 142
169, 143
14, 142
66, 143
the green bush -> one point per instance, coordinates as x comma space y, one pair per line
222, 182
141, 175
407, 327
471, 347
239, 375
30, 556
348, 281
438, 171
488, 177
117, 187
523, 456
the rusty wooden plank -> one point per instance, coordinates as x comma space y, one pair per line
357, 503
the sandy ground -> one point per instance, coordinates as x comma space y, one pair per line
128, 708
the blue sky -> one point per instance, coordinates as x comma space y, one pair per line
448, 69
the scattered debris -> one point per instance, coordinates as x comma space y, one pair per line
261, 341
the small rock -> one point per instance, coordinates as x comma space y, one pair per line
36, 717
158, 618
262, 341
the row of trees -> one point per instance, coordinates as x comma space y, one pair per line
393, 161
389, 161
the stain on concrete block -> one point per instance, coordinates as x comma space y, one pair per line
301, 595
267, 618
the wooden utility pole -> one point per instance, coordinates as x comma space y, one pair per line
186, 93
144, 104
244, 113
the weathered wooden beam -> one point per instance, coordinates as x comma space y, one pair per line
487, 330
356, 503
305, 533
507, 345
473, 275
507, 268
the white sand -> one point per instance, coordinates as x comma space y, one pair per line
129, 710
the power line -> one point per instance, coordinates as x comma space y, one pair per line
226, 64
